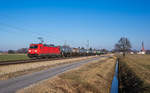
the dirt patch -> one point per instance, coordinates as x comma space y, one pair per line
94, 77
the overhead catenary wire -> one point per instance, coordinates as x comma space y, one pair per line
19, 29
16, 30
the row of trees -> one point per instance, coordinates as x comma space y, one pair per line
22, 50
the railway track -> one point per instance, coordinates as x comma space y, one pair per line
30, 60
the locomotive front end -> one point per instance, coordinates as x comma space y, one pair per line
33, 51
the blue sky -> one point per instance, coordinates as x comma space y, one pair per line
102, 22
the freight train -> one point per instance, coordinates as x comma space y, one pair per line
46, 51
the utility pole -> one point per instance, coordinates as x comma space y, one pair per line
87, 44
65, 43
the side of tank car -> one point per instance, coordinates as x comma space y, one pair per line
66, 51
75, 51
98, 52
82, 52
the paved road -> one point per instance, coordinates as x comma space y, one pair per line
11, 85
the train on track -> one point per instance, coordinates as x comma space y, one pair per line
47, 51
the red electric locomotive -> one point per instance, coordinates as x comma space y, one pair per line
43, 50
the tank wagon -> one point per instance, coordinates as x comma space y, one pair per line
66, 51
44, 51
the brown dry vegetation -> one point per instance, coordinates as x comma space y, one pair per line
94, 77
15, 70
135, 74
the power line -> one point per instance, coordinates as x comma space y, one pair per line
16, 29
2, 30
13, 27
20, 29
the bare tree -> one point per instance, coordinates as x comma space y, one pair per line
22, 50
82, 48
123, 45
11, 51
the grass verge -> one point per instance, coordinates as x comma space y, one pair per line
94, 77
134, 74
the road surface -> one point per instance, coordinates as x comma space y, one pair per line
12, 85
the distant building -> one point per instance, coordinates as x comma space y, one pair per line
147, 51
142, 50
132, 53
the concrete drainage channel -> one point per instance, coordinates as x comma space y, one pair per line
115, 83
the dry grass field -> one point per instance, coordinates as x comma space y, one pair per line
135, 73
94, 77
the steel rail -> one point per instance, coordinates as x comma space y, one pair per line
30, 60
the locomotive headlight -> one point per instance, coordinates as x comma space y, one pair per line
35, 51
29, 51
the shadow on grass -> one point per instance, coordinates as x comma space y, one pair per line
129, 82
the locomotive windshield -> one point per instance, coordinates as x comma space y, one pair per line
33, 47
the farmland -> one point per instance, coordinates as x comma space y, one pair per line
9, 57
135, 74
